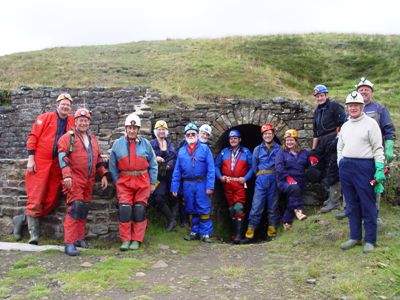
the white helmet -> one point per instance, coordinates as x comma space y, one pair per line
132, 119
206, 128
365, 82
354, 97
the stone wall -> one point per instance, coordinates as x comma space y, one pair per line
109, 108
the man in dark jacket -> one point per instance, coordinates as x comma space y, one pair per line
329, 116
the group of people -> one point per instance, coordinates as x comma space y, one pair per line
347, 155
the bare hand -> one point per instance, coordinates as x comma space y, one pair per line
160, 159
209, 192
223, 179
31, 165
104, 183
152, 188
175, 194
242, 180
68, 183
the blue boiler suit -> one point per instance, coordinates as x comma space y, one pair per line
265, 191
197, 173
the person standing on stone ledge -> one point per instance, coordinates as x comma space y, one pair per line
43, 175
80, 159
134, 169
166, 158
329, 116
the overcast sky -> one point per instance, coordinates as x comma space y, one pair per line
27, 25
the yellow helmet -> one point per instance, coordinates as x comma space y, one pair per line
291, 133
161, 124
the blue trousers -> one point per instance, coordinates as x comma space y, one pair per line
294, 199
355, 176
198, 204
265, 196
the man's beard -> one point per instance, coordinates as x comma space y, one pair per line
191, 140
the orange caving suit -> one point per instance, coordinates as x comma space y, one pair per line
81, 165
43, 187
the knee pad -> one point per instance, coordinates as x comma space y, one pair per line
139, 213
238, 208
124, 213
79, 210
294, 190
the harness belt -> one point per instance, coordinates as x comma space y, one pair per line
261, 172
198, 179
134, 173
235, 179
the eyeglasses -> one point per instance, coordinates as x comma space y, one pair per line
190, 134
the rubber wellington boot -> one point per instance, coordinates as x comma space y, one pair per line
368, 247
341, 215
33, 226
18, 222
124, 246
134, 245
238, 231
271, 231
71, 250
250, 233
334, 198
82, 244
349, 244
170, 217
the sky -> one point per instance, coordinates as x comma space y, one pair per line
27, 25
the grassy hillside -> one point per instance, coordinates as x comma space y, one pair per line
251, 67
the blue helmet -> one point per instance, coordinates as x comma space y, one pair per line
320, 88
191, 126
233, 133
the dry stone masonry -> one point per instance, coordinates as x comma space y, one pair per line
109, 108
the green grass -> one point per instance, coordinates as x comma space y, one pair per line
112, 273
316, 254
38, 291
195, 69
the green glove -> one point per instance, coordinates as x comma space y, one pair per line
379, 173
378, 188
389, 150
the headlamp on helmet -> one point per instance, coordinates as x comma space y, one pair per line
133, 120
206, 128
234, 133
291, 133
266, 127
191, 126
320, 88
365, 82
64, 96
82, 112
161, 124
354, 97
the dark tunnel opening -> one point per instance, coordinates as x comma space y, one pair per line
251, 137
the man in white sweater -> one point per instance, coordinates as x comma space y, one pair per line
360, 159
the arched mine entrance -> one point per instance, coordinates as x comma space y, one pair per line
251, 137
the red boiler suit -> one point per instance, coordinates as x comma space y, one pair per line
77, 165
43, 187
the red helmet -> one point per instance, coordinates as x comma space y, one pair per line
266, 127
82, 112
